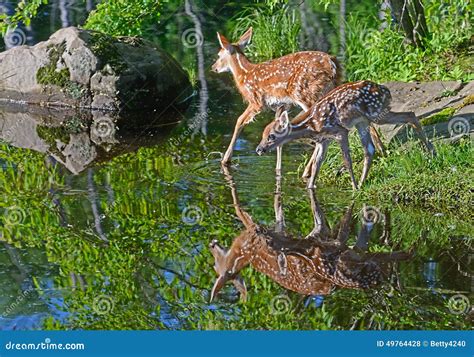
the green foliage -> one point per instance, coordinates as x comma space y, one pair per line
125, 18
275, 30
24, 12
384, 55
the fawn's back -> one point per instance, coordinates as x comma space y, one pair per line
347, 104
299, 78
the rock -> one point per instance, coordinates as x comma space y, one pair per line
429, 98
424, 98
87, 69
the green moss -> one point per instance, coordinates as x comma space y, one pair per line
72, 125
441, 116
49, 74
447, 113
50, 134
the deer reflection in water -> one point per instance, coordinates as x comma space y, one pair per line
311, 265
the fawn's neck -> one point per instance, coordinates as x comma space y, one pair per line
240, 66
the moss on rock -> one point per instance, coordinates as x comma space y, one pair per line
50, 74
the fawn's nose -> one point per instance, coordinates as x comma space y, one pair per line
260, 150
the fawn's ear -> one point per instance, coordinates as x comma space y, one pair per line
239, 284
224, 42
283, 119
244, 40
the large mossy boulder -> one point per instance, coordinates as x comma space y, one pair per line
87, 69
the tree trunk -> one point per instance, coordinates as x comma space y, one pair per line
400, 11
342, 28
420, 23
411, 20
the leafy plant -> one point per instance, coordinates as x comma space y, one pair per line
125, 18
276, 30
384, 55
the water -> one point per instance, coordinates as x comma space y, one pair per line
112, 231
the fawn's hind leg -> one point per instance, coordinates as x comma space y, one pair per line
369, 149
409, 118
376, 140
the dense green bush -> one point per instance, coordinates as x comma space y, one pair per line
125, 17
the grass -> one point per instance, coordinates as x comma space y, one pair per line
384, 56
408, 175
275, 31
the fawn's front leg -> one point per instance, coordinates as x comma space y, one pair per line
243, 120
316, 161
343, 140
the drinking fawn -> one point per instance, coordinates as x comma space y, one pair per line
296, 79
358, 104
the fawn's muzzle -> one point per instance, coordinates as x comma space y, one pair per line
260, 150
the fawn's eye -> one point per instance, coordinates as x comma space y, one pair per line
271, 137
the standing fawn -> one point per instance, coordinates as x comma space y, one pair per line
310, 266
296, 79
358, 104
